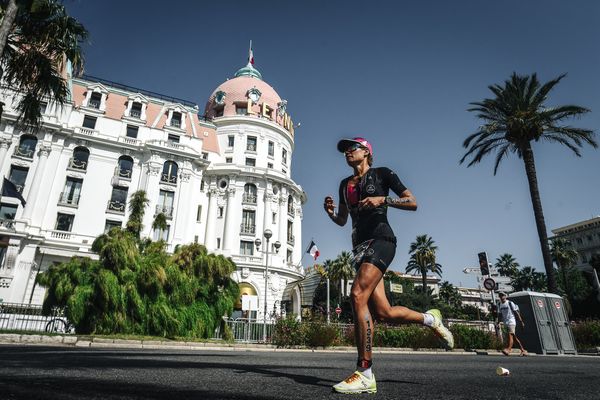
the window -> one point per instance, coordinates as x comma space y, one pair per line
590, 238
195, 238
579, 241
274, 221
220, 212
271, 148
89, 122
250, 162
64, 222
218, 243
80, 158
230, 140
284, 156
270, 165
95, 100
110, 224
251, 143
72, 192
290, 206
241, 110
18, 175
43, 107
173, 138
165, 203
176, 119
219, 112
228, 160
169, 173
26, 147
118, 199
202, 185
288, 256
132, 131
204, 155
248, 222
249, 193
290, 232
136, 110
161, 234
125, 167
199, 213
246, 248
8, 211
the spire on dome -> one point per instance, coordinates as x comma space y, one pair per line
249, 69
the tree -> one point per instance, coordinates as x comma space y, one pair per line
37, 39
137, 209
571, 281
507, 265
341, 270
450, 294
528, 279
422, 259
160, 223
514, 119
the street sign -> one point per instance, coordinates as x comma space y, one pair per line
502, 279
486, 296
489, 284
396, 288
338, 310
506, 288
474, 271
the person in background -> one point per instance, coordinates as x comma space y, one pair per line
508, 313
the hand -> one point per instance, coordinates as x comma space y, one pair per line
329, 206
371, 202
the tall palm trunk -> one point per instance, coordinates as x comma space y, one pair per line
539, 215
7, 23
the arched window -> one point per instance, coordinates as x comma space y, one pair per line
125, 167
291, 206
169, 173
80, 158
249, 193
26, 147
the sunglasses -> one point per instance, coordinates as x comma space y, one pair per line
353, 147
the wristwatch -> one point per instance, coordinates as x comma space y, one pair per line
389, 201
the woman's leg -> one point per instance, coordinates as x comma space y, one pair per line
385, 312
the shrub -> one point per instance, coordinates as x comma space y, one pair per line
469, 338
287, 333
587, 334
320, 334
409, 336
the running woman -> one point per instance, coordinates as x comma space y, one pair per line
365, 196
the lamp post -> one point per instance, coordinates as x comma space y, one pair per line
267, 234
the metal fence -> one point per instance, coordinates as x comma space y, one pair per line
244, 331
29, 318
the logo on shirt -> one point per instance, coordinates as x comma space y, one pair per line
370, 189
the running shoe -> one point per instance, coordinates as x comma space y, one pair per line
356, 383
440, 330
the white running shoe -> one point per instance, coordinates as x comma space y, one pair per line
356, 383
440, 330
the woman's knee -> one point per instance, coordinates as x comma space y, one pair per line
358, 296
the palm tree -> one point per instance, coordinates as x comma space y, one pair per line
507, 265
513, 119
450, 294
137, 209
341, 270
565, 256
160, 223
37, 39
422, 259
528, 279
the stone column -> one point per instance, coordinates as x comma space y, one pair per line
4, 145
211, 219
228, 228
283, 220
36, 183
151, 188
183, 207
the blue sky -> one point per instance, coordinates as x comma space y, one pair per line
401, 74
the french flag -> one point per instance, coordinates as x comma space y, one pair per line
313, 250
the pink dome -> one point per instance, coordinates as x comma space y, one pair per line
236, 94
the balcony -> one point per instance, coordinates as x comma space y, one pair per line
116, 206
247, 229
7, 224
24, 152
290, 240
167, 210
175, 123
291, 212
249, 198
135, 113
168, 178
94, 103
123, 173
80, 165
251, 147
68, 199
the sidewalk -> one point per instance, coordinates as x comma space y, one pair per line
95, 342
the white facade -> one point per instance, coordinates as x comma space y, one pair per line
79, 170
585, 239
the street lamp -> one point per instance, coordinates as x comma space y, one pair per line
267, 234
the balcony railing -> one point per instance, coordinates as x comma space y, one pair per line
251, 147
75, 163
247, 229
123, 173
117, 206
175, 123
7, 223
94, 104
24, 152
20, 188
135, 113
68, 198
249, 198
290, 239
168, 178
167, 210
291, 212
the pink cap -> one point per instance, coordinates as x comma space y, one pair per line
344, 143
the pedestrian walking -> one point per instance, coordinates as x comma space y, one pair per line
365, 196
508, 314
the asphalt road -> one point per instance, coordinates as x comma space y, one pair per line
36, 372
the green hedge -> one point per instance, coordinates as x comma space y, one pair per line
587, 334
290, 333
